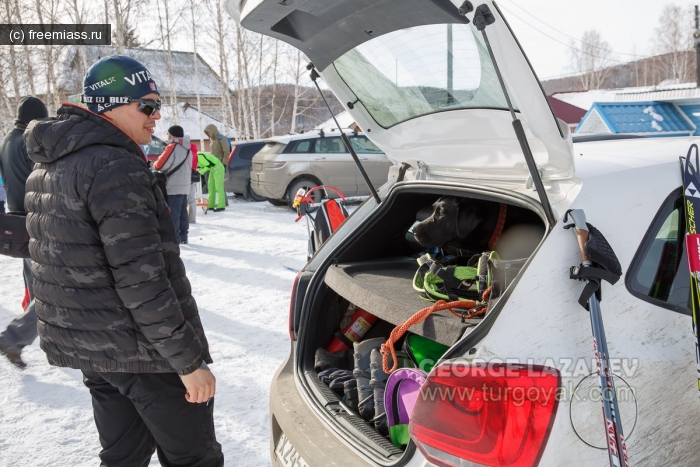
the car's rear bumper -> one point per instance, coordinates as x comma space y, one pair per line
268, 190
289, 415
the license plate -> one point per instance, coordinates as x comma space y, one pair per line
287, 455
257, 167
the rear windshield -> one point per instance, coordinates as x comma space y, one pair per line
272, 147
362, 145
422, 70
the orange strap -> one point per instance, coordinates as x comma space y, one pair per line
499, 226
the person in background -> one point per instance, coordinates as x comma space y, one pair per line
15, 167
176, 163
3, 196
217, 196
116, 303
195, 180
218, 143
220, 147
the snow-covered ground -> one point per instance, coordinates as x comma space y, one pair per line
237, 261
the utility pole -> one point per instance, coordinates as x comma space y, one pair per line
696, 36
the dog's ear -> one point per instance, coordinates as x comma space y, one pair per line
468, 219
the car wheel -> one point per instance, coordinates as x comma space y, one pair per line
306, 184
277, 202
250, 194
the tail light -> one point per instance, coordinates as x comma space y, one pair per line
292, 300
488, 414
230, 156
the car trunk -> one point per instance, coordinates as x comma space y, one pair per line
374, 270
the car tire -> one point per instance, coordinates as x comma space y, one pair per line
306, 184
277, 202
252, 195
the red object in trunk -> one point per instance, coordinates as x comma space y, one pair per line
360, 322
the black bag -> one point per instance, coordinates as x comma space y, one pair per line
162, 182
196, 177
14, 238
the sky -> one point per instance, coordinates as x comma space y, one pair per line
238, 262
545, 28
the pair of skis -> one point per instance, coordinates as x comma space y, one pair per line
691, 194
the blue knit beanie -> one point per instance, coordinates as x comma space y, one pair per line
111, 80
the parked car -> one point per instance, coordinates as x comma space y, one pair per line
287, 163
450, 131
238, 169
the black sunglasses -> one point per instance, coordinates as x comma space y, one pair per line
147, 106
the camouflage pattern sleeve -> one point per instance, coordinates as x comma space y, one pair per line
122, 203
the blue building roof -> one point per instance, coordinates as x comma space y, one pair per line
648, 118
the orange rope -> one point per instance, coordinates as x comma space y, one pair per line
499, 226
388, 347
477, 309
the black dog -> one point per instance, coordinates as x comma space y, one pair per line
467, 224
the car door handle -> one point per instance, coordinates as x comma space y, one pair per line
364, 158
319, 158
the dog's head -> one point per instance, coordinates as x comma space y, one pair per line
451, 220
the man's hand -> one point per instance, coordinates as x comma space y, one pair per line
200, 385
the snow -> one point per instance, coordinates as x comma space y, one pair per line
237, 263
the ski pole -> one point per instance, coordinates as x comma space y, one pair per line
593, 274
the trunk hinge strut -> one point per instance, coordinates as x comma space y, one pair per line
482, 18
346, 140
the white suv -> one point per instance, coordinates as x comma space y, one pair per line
455, 105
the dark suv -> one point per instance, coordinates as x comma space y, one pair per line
238, 169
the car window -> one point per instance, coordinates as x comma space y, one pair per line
362, 145
329, 145
303, 146
155, 147
249, 150
659, 271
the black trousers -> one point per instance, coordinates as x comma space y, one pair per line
139, 413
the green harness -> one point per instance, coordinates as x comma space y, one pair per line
453, 278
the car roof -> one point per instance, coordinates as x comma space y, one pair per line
285, 139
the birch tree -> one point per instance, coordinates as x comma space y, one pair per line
195, 65
166, 30
78, 15
591, 59
12, 57
28, 65
674, 39
47, 13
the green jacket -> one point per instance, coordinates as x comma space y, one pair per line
207, 162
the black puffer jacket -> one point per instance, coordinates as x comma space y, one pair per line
111, 291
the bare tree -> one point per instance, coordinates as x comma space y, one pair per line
13, 63
78, 15
591, 58
193, 12
47, 13
674, 39
304, 97
29, 66
165, 31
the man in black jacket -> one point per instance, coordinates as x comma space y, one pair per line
112, 297
15, 167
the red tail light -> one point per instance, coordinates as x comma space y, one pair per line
230, 156
291, 308
490, 414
